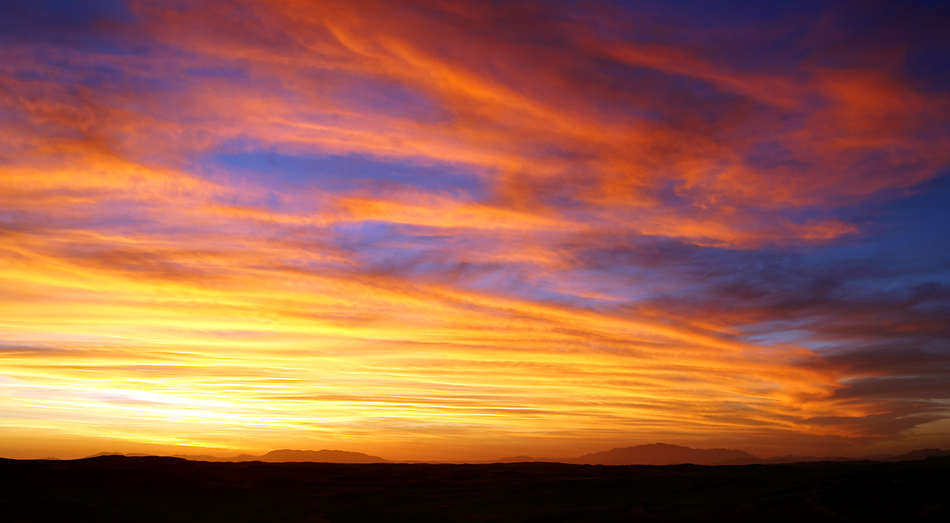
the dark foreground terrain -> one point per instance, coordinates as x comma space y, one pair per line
116, 488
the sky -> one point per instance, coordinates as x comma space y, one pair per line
470, 229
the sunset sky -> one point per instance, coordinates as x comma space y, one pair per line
460, 229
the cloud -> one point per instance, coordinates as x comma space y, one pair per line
552, 221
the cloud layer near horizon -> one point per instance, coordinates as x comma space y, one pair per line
422, 228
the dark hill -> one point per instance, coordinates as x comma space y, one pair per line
662, 454
287, 455
528, 459
918, 454
319, 456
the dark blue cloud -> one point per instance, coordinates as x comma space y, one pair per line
345, 173
85, 23
875, 307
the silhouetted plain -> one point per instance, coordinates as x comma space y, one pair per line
153, 489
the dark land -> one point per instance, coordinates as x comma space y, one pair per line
153, 489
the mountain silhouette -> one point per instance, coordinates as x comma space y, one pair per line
281, 456
530, 459
664, 454
790, 459
319, 456
915, 455
918, 455
661, 454
653, 454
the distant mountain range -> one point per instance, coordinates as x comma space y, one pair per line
653, 454
910, 456
663, 454
281, 456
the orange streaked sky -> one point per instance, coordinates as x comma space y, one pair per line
471, 229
